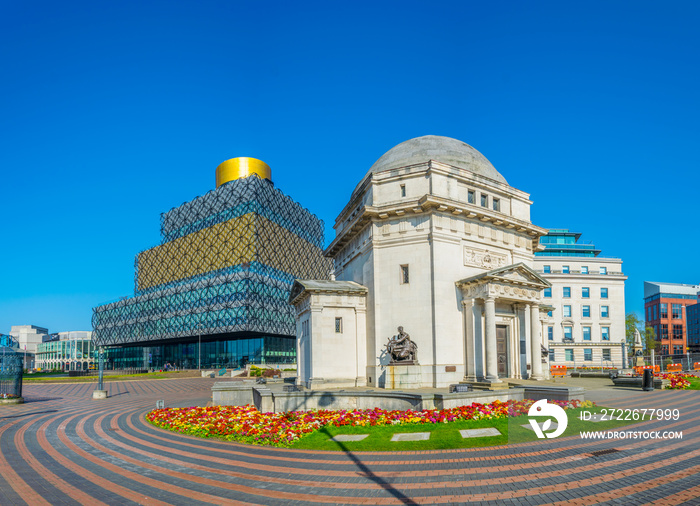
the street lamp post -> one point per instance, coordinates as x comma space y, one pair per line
199, 358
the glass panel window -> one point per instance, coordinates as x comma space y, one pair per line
338, 325
656, 312
567, 311
664, 331
550, 333
584, 269
605, 333
496, 204
567, 292
547, 269
603, 293
586, 292
677, 331
403, 190
676, 311
586, 311
603, 270
470, 197
551, 355
588, 354
550, 313
404, 274
569, 354
586, 333
484, 200
565, 269
604, 312
606, 353
568, 333
677, 349
664, 310
548, 293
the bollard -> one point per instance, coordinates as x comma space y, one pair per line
648, 380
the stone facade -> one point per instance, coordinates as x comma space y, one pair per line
429, 220
588, 304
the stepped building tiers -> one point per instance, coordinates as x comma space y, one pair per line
214, 292
435, 241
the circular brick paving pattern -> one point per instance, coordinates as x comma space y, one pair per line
63, 447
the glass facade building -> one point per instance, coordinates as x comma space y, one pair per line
221, 276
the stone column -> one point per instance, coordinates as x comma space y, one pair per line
469, 344
535, 343
490, 331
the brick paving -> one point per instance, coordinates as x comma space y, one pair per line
63, 447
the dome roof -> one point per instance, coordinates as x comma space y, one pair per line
441, 149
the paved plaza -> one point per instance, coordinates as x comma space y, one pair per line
63, 447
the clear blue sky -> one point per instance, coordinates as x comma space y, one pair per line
113, 112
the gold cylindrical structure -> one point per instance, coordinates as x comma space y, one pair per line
238, 168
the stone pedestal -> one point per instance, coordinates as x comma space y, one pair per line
638, 362
400, 377
99, 394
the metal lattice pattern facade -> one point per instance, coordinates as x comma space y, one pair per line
11, 364
226, 264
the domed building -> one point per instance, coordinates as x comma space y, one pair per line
435, 241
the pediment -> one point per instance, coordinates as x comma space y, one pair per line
516, 275
519, 274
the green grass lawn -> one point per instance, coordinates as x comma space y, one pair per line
444, 435
694, 383
63, 378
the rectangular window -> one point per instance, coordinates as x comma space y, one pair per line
606, 354
568, 333
677, 331
586, 333
569, 354
547, 269
403, 190
584, 269
470, 197
496, 204
550, 313
603, 270
604, 312
664, 310
586, 292
338, 325
588, 354
605, 333
547, 293
648, 312
676, 311
664, 331
550, 333
677, 349
567, 292
567, 312
664, 349
565, 269
551, 355
404, 274
656, 312
484, 200
603, 293
586, 311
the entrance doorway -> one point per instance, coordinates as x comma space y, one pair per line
502, 350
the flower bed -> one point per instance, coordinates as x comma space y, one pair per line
678, 381
246, 424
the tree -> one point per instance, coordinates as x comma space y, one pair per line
649, 342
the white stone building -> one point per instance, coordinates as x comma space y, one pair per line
444, 247
586, 326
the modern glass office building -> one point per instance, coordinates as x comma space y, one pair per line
214, 292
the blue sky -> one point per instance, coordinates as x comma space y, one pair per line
113, 112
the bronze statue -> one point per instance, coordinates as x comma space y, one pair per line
401, 348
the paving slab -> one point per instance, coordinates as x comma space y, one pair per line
486, 432
348, 437
411, 436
